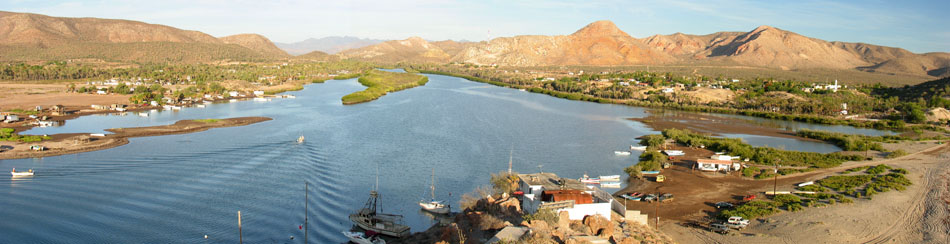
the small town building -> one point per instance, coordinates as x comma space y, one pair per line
716, 165
547, 191
233, 93
668, 90
58, 110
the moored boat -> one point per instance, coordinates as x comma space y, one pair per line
432, 205
615, 184
586, 179
622, 153
610, 178
21, 173
638, 148
300, 139
361, 238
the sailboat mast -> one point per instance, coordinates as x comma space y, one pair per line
432, 187
306, 204
509, 158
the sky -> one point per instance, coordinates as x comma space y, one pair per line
918, 26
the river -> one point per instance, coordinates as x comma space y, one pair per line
179, 188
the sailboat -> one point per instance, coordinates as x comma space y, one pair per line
382, 223
432, 205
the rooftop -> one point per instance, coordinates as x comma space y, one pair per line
551, 181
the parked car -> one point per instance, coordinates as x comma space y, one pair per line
737, 220
724, 205
737, 226
649, 198
719, 228
666, 197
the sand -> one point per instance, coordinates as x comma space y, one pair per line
62, 144
918, 214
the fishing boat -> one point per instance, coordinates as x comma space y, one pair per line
610, 178
21, 173
432, 205
638, 148
586, 179
360, 238
622, 153
614, 184
300, 139
369, 219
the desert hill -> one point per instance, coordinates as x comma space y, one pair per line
603, 44
27, 37
329, 45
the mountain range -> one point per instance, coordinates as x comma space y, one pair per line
34, 37
329, 45
603, 44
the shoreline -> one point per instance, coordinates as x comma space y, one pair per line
71, 143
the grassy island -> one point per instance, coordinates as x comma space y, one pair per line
380, 82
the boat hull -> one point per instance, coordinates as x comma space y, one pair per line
435, 207
365, 223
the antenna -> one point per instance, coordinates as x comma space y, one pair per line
376, 187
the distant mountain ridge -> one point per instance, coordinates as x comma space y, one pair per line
26, 36
329, 45
603, 44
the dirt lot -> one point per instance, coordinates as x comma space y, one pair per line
918, 214
28, 96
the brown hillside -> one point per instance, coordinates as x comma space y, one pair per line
413, 49
26, 37
317, 56
255, 42
599, 43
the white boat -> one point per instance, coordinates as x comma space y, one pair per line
522, 89
638, 148
609, 178
432, 205
260, 99
21, 173
167, 107
360, 238
176, 107
586, 179
622, 153
207, 102
143, 114
300, 139
615, 184
290, 96
674, 152
200, 105
233, 100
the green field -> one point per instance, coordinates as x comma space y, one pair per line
379, 83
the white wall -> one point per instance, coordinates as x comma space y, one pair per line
581, 210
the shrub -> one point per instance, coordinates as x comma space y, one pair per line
546, 215
750, 171
786, 199
504, 182
814, 188
842, 183
652, 160
896, 154
751, 210
876, 170
634, 171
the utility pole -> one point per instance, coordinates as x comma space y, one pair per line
775, 186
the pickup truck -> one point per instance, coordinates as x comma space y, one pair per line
737, 226
666, 197
737, 220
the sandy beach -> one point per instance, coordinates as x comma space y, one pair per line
918, 214
62, 144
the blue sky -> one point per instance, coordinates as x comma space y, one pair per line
919, 26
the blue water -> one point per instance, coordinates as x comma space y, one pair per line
178, 188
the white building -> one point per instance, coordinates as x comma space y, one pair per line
233, 93
547, 191
668, 90
716, 165
258, 93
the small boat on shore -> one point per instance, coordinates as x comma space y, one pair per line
21, 173
610, 178
622, 153
638, 148
143, 114
361, 238
674, 152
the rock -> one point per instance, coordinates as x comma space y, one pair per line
564, 221
599, 225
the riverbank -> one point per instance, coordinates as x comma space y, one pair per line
62, 144
817, 119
